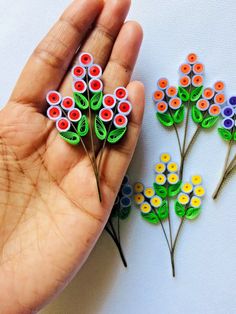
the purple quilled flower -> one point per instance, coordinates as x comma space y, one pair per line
232, 101
228, 123
228, 112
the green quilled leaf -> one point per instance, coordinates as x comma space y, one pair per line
163, 210
196, 94
83, 126
197, 115
209, 122
226, 134
173, 190
96, 101
179, 209
115, 135
192, 213
183, 94
165, 119
160, 190
150, 217
70, 137
100, 129
81, 101
178, 116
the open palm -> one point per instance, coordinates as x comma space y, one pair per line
50, 214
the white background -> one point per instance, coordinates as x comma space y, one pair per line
205, 256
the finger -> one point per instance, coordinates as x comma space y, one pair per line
102, 38
116, 159
123, 57
50, 60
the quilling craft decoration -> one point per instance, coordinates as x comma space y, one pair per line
120, 211
155, 201
175, 105
227, 131
89, 112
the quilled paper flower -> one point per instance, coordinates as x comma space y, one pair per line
89, 111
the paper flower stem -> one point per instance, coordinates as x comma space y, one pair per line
177, 134
231, 166
163, 229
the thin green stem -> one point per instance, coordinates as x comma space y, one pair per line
163, 229
177, 234
170, 228
231, 165
177, 134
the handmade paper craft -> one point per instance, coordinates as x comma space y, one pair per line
227, 131
175, 105
120, 211
89, 112
155, 201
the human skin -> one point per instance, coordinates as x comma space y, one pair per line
50, 215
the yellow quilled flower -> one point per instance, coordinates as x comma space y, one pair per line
195, 202
199, 191
165, 157
187, 188
149, 192
172, 167
160, 167
138, 199
183, 199
196, 180
156, 201
138, 187
145, 208
161, 179
173, 178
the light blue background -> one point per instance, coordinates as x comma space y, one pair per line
205, 256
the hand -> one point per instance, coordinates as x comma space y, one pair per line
50, 214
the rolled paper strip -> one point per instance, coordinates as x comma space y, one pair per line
95, 71
158, 96
198, 68
161, 179
175, 103
187, 188
74, 115
125, 202
185, 68
165, 157
203, 104
145, 208
85, 59
199, 191
95, 85
208, 93
196, 179
214, 110
106, 114
63, 125
184, 81
195, 202
109, 101
160, 167
192, 58
183, 199
121, 93
78, 72
54, 113
219, 86
232, 101
197, 80
228, 123
156, 201
173, 178
172, 91
162, 83
124, 107
219, 99
125, 180
162, 106
68, 103
139, 199
227, 112
149, 192
120, 121
138, 187
172, 166
53, 98
127, 190
79, 86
